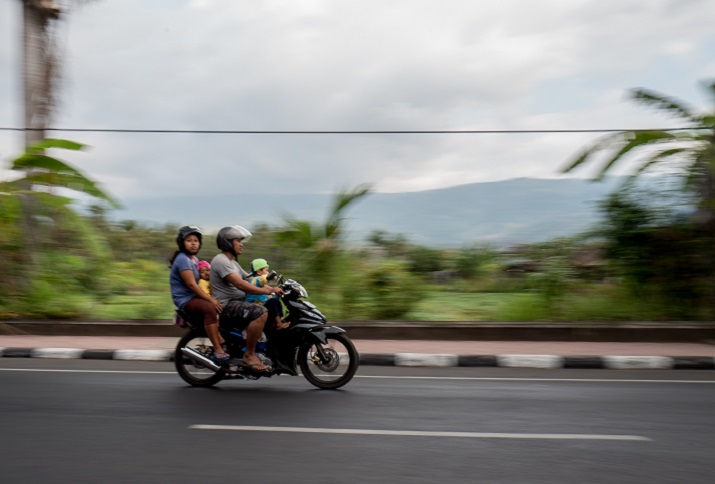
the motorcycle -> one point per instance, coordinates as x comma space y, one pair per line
323, 353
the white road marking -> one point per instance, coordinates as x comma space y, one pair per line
478, 378
419, 433
41, 370
389, 377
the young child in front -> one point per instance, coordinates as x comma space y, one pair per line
204, 272
259, 278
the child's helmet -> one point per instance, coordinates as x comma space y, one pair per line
258, 264
226, 236
184, 232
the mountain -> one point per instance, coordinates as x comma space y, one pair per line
501, 213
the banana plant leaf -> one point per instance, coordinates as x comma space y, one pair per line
43, 162
71, 181
52, 200
54, 143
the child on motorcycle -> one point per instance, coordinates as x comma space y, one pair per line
204, 274
259, 277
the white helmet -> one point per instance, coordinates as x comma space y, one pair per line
226, 236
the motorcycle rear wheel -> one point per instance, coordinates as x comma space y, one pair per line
338, 370
190, 371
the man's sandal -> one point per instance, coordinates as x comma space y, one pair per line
220, 359
256, 367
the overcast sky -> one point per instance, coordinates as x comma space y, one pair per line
353, 65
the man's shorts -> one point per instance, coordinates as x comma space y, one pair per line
237, 314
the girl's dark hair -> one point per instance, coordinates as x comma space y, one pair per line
173, 257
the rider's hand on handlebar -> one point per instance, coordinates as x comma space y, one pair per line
278, 291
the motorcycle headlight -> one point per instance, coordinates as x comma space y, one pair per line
297, 287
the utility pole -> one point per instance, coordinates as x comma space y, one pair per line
39, 66
39, 71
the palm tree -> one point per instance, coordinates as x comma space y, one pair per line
319, 249
308, 235
321, 241
691, 150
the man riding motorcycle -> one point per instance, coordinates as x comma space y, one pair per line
229, 287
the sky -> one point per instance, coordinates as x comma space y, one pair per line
352, 65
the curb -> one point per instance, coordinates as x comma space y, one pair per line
611, 362
613, 331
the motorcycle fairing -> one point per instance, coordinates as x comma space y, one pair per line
318, 332
307, 311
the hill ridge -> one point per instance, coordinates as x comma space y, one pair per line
517, 210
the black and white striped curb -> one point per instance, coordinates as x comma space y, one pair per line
414, 359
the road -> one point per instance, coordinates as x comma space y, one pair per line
117, 421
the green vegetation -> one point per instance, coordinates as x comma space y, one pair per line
664, 242
543, 282
651, 258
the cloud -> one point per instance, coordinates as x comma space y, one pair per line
358, 65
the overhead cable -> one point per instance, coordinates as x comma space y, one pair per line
306, 132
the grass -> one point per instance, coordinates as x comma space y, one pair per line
581, 302
456, 306
149, 306
435, 306
591, 303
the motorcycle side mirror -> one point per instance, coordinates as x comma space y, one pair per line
272, 275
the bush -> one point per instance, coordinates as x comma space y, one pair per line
392, 290
48, 299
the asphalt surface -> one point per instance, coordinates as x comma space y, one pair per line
77, 420
537, 354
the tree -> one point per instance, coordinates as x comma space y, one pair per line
471, 261
322, 239
320, 244
691, 150
33, 207
394, 245
658, 258
423, 260
672, 257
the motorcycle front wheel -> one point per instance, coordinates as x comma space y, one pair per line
335, 367
191, 372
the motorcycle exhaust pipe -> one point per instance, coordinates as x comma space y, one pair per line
200, 359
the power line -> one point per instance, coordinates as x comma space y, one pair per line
320, 132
